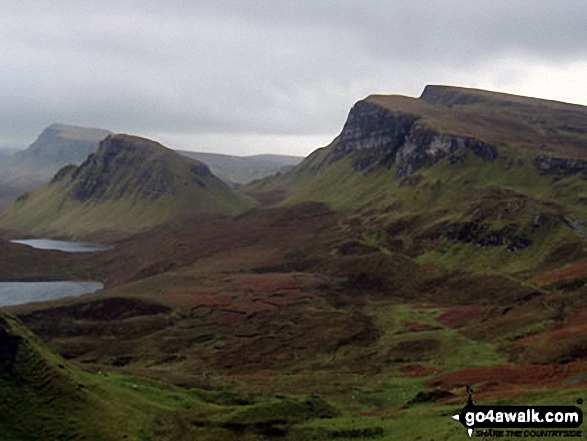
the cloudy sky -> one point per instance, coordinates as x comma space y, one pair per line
254, 76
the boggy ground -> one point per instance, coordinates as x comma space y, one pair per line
288, 303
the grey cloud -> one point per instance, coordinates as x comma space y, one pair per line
256, 68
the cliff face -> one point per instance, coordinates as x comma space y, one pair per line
126, 165
415, 133
424, 148
374, 133
380, 136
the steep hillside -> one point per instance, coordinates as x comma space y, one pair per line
300, 331
129, 184
413, 133
452, 173
56, 146
244, 169
43, 397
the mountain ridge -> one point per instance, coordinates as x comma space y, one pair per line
414, 184
525, 123
455, 95
411, 133
128, 185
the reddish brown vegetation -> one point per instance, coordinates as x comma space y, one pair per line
266, 283
572, 271
233, 244
568, 332
417, 370
244, 293
457, 316
506, 377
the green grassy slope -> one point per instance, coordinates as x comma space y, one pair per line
462, 210
43, 397
310, 359
465, 215
124, 188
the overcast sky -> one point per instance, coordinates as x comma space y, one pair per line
254, 76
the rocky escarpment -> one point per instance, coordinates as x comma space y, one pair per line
377, 136
480, 235
126, 165
560, 166
373, 133
423, 148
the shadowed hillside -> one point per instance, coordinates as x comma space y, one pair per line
43, 397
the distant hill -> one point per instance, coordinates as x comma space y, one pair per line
56, 146
61, 144
8, 194
130, 184
244, 169
4, 152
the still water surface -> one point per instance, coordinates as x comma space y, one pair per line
61, 245
16, 293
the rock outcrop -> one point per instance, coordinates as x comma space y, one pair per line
130, 165
377, 136
560, 166
373, 133
424, 148
478, 234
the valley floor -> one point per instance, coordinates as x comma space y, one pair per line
285, 324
